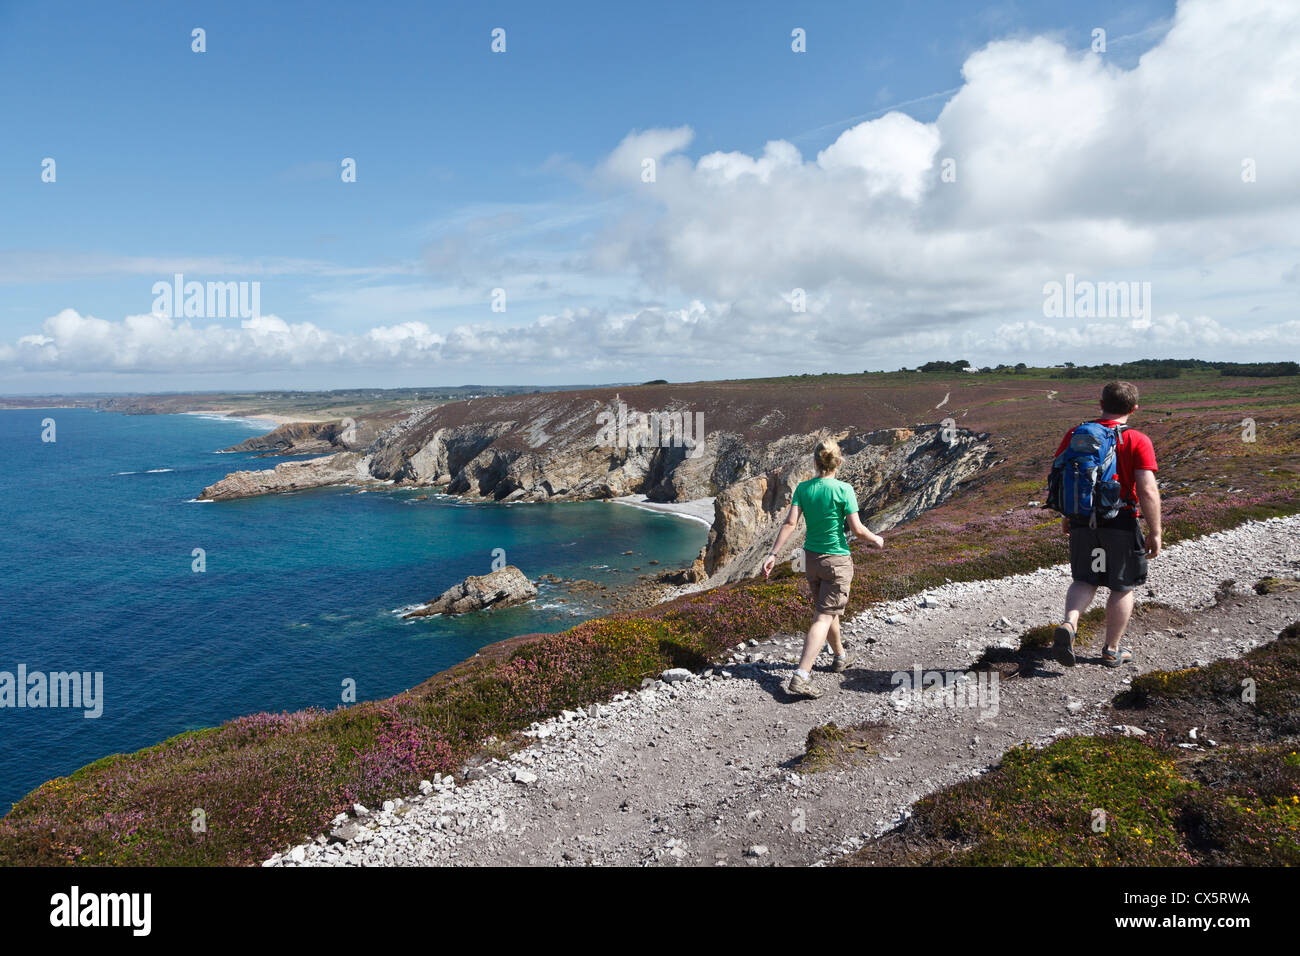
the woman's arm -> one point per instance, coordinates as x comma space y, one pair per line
863, 533
787, 528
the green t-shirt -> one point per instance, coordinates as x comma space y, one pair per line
826, 503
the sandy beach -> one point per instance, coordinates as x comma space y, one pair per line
272, 419
698, 509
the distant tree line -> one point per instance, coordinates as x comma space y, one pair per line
1139, 368
1172, 368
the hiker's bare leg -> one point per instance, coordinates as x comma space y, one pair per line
1119, 607
833, 636
1077, 600
812, 645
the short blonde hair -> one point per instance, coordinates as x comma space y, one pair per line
828, 456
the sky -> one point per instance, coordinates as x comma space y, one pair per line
629, 192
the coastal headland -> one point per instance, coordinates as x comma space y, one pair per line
950, 467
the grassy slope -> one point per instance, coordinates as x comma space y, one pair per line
265, 781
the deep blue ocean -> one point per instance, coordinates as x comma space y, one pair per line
300, 590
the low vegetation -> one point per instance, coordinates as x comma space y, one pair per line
830, 745
1250, 697
237, 793
1091, 624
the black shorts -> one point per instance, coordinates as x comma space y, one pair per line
1112, 555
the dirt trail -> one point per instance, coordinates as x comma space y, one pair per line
704, 771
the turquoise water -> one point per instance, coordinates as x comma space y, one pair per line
299, 594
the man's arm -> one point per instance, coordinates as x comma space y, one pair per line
1148, 493
863, 533
787, 528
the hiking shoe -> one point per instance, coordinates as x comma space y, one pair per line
1063, 644
1116, 657
840, 664
803, 687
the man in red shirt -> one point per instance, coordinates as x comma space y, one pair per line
1114, 553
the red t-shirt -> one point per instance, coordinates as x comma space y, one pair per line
1135, 452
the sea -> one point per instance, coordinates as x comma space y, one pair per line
192, 613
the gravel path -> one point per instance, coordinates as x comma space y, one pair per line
702, 770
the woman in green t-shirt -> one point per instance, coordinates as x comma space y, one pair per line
827, 505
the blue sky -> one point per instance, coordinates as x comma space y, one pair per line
478, 171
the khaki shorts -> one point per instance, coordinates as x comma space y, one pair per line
829, 578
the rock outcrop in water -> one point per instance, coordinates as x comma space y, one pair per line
559, 445
499, 589
344, 468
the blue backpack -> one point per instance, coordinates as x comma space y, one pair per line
1084, 482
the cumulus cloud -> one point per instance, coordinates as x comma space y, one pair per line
1062, 163
905, 237
703, 339
70, 341
582, 338
894, 155
1135, 335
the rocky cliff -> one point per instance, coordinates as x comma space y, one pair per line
296, 438
896, 472
343, 468
314, 438
669, 443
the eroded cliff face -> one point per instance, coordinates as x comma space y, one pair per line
896, 472
562, 446
295, 438
313, 438
553, 449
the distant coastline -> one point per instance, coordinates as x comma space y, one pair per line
234, 415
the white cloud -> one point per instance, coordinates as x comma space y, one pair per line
705, 339
624, 165
1135, 336
1065, 163
895, 154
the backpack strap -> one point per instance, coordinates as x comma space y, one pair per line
1119, 431
1119, 444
